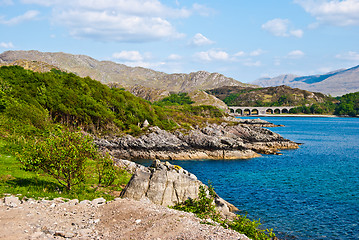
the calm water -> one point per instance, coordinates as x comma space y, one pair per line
309, 193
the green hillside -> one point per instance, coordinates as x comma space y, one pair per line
349, 105
45, 123
307, 102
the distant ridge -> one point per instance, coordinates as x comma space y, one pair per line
335, 83
127, 77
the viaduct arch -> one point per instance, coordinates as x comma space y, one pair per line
259, 110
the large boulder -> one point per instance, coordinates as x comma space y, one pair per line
166, 184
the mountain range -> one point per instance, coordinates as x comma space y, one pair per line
153, 85
335, 83
113, 73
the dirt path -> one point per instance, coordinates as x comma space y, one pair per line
119, 219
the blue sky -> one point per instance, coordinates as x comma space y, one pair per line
242, 39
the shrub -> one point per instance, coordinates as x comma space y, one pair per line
106, 170
204, 208
62, 156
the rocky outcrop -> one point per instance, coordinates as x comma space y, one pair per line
150, 94
166, 184
202, 98
225, 141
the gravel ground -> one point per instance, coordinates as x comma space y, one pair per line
98, 219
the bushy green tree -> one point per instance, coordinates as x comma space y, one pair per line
63, 156
349, 105
175, 99
204, 207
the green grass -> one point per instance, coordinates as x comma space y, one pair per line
15, 181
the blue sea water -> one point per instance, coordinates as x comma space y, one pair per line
308, 193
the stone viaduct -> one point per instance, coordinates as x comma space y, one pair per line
259, 110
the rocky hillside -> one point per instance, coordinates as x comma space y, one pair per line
30, 65
335, 83
269, 96
202, 98
127, 77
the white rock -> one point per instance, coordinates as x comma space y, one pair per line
98, 201
12, 201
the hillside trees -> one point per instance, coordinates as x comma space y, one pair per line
349, 105
66, 98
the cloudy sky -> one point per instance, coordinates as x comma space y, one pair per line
242, 39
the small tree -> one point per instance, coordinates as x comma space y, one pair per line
62, 155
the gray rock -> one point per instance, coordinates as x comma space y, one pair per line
145, 124
129, 166
60, 233
85, 202
98, 201
12, 201
85, 232
214, 141
166, 185
73, 202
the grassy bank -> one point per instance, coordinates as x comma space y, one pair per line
16, 181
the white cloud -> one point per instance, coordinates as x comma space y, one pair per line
277, 61
240, 54
348, 56
200, 40
281, 28
144, 64
251, 63
6, 2
136, 59
334, 12
213, 55
297, 33
256, 53
118, 20
295, 54
174, 57
202, 9
107, 26
128, 56
29, 15
6, 45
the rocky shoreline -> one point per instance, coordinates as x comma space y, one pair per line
242, 139
142, 210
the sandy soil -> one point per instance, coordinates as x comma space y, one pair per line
119, 219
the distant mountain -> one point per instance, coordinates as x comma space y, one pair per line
335, 83
110, 72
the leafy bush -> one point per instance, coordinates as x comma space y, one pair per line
175, 99
204, 208
63, 156
206, 111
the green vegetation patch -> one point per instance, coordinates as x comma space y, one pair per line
204, 208
16, 179
349, 105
